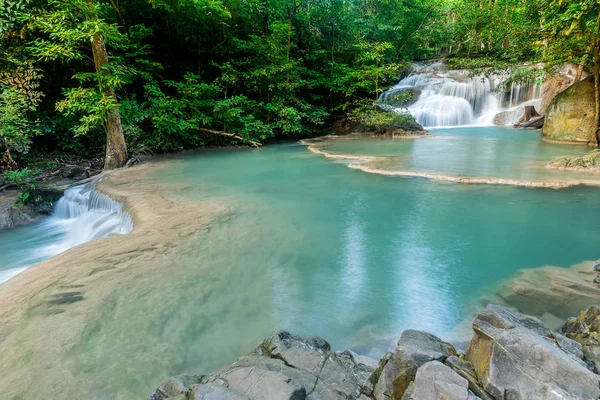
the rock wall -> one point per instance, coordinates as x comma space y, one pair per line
511, 356
557, 83
570, 115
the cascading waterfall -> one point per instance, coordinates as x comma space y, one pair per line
81, 215
94, 215
454, 98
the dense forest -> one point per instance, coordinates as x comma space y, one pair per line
88, 78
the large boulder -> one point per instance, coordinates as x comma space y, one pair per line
570, 116
288, 367
516, 357
585, 329
414, 349
12, 215
436, 381
558, 82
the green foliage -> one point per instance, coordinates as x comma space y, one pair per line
17, 127
183, 70
25, 180
380, 121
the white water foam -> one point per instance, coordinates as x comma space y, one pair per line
449, 98
81, 215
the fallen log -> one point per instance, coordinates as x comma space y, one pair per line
231, 135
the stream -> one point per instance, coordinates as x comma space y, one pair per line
312, 246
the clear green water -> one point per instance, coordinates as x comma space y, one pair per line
319, 249
471, 151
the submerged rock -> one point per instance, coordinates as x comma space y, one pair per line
414, 349
570, 116
560, 292
515, 355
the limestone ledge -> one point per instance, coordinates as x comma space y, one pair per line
371, 164
73, 288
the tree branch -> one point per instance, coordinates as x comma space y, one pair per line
231, 135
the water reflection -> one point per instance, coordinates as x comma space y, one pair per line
422, 284
473, 152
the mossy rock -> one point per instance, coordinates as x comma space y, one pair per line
588, 162
402, 97
570, 116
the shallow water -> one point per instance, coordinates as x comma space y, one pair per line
316, 248
81, 215
470, 151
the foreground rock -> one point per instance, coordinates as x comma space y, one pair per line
512, 356
284, 366
414, 349
585, 329
436, 381
570, 116
516, 357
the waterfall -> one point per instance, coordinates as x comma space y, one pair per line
94, 215
81, 215
454, 98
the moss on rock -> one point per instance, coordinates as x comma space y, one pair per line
588, 162
570, 116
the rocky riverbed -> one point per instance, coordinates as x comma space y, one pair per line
510, 356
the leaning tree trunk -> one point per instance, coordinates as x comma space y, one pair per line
116, 149
594, 139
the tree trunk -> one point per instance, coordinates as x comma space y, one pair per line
116, 149
594, 139
579, 72
530, 112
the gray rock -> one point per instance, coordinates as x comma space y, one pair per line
262, 383
74, 172
515, 357
286, 366
436, 381
414, 349
10, 214
174, 386
212, 392
465, 369
585, 329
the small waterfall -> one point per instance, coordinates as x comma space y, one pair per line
81, 215
454, 98
94, 215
